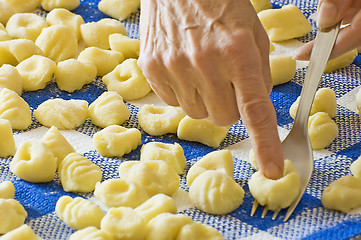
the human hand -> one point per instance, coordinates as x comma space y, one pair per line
330, 13
212, 59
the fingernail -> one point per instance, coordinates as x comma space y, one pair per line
327, 14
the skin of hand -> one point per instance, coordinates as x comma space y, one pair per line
212, 59
330, 12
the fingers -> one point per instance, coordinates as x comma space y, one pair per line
330, 12
259, 117
348, 39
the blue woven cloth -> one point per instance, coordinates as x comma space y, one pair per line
309, 220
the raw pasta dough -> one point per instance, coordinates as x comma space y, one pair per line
322, 130
356, 168
129, 47
7, 190
120, 9
24, 232
283, 68
11, 79
7, 143
90, 233
49, 5
12, 215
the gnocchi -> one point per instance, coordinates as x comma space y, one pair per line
322, 130
49, 5
63, 114
34, 162
25, 25
340, 62
160, 120
154, 176
21, 6
196, 231
120, 193
201, 130
104, 60
172, 154
96, 34
276, 194
4, 36
123, 223
215, 192
108, 109
356, 168
90, 233
324, 101
57, 143
260, 5
166, 225
16, 50
7, 190
78, 174
127, 80
57, 42
61, 16
36, 72
129, 47
156, 205
6, 11
343, 194
119, 9
283, 68
22, 232
10, 78
115, 141
14, 109
7, 143
12, 215
72, 74
78, 212
285, 23
221, 161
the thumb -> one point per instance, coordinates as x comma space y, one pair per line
330, 12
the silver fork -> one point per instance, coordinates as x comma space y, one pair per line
296, 146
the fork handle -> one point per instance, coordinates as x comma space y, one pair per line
321, 51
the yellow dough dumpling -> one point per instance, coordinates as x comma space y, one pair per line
63, 114
322, 130
90, 233
343, 194
356, 168
7, 143
340, 62
49, 5
15, 109
129, 47
10, 78
7, 190
34, 162
22, 232
119, 9
198, 231
283, 68
12, 215
285, 23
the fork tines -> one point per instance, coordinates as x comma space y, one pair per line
265, 210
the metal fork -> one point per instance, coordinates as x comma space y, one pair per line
296, 146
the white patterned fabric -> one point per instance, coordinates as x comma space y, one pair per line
309, 220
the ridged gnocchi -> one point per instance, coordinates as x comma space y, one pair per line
276, 194
115, 140
201, 130
23, 232
58, 42
57, 143
34, 162
72, 74
65, 17
129, 47
127, 80
78, 212
356, 168
17, 50
108, 109
6, 11
12, 215
14, 109
215, 192
123, 223
78, 174
221, 161
36, 72
11, 79
24, 6
322, 130
4, 35
104, 60
120, 193
96, 34
196, 231
156, 205
166, 225
154, 176
63, 114
160, 120
172, 154
7, 143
